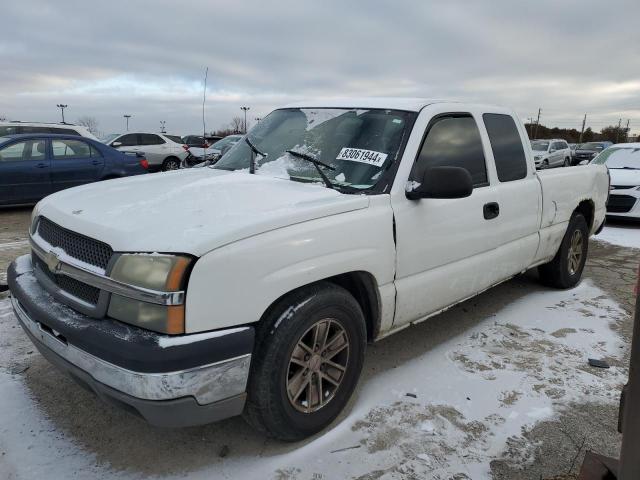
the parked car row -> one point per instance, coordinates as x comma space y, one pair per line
211, 153
33, 166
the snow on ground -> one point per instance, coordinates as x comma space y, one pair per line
622, 234
445, 413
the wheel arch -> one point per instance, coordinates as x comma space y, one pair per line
587, 209
362, 286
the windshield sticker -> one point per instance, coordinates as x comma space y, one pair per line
363, 156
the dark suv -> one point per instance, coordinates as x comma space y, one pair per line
586, 151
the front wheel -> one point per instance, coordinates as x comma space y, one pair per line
565, 270
307, 361
545, 164
567, 162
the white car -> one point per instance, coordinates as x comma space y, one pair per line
551, 153
623, 162
163, 152
214, 152
16, 128
256, 284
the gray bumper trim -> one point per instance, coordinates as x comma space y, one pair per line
207, 383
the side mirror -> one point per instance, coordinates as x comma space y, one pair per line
116, 144
442, 182
551, 150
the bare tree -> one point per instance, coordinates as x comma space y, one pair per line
237, 124
89, 122
3, 118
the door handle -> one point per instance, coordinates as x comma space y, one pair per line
42, 165
491, 210
95, 162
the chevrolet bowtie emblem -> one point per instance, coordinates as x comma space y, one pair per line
53, 261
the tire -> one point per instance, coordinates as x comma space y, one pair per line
567, 162
544, 165
170, 163
272, 406
565, 270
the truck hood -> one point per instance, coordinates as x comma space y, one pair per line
624, 178
190, 211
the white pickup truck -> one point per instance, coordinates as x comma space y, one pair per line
253, 286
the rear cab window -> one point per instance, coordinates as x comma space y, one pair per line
506, 144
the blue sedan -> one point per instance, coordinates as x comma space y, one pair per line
35, 165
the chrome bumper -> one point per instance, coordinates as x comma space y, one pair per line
206, 383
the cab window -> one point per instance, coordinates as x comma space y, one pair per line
453, 140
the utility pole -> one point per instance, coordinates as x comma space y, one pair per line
162, 123
245, 109
584, 121
626, 132
127, 117
62, 107
530, 127
535, 134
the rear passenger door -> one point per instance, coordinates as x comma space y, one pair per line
74, 162
154, 148
24, 172
518, 191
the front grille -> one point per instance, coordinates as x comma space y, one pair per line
620, 203
70, 285
622, 187
75, 245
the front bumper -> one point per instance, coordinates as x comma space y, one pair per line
624, 202
166, 381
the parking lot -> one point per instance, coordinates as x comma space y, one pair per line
498, 384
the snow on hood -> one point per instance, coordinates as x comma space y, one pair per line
624, 177
190, 211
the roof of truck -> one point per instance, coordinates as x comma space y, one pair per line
392, 103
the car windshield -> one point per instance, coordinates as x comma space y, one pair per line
540, 146
620, 157
591, 146
355, 145
109, 138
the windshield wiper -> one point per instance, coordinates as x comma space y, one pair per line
316, 163
254, 152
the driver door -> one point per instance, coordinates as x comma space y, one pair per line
443, 244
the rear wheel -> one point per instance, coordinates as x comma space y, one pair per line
307, 361
565, 270
171, 163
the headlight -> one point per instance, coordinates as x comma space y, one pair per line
164, 273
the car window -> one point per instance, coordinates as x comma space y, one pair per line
150, 139
506, 144
95, 153
28, 150
8, 130
128, 140
63, 148
64, 131
28, 129
453, 141
174, 138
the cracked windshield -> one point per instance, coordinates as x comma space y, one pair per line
346, 149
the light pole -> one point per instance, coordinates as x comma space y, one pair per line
162, 130
127, 117
245, 109
62, 107
257, 119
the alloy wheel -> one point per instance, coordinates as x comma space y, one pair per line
575, 252
317, 365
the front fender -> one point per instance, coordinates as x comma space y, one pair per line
236, 283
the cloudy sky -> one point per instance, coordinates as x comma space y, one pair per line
147, 59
